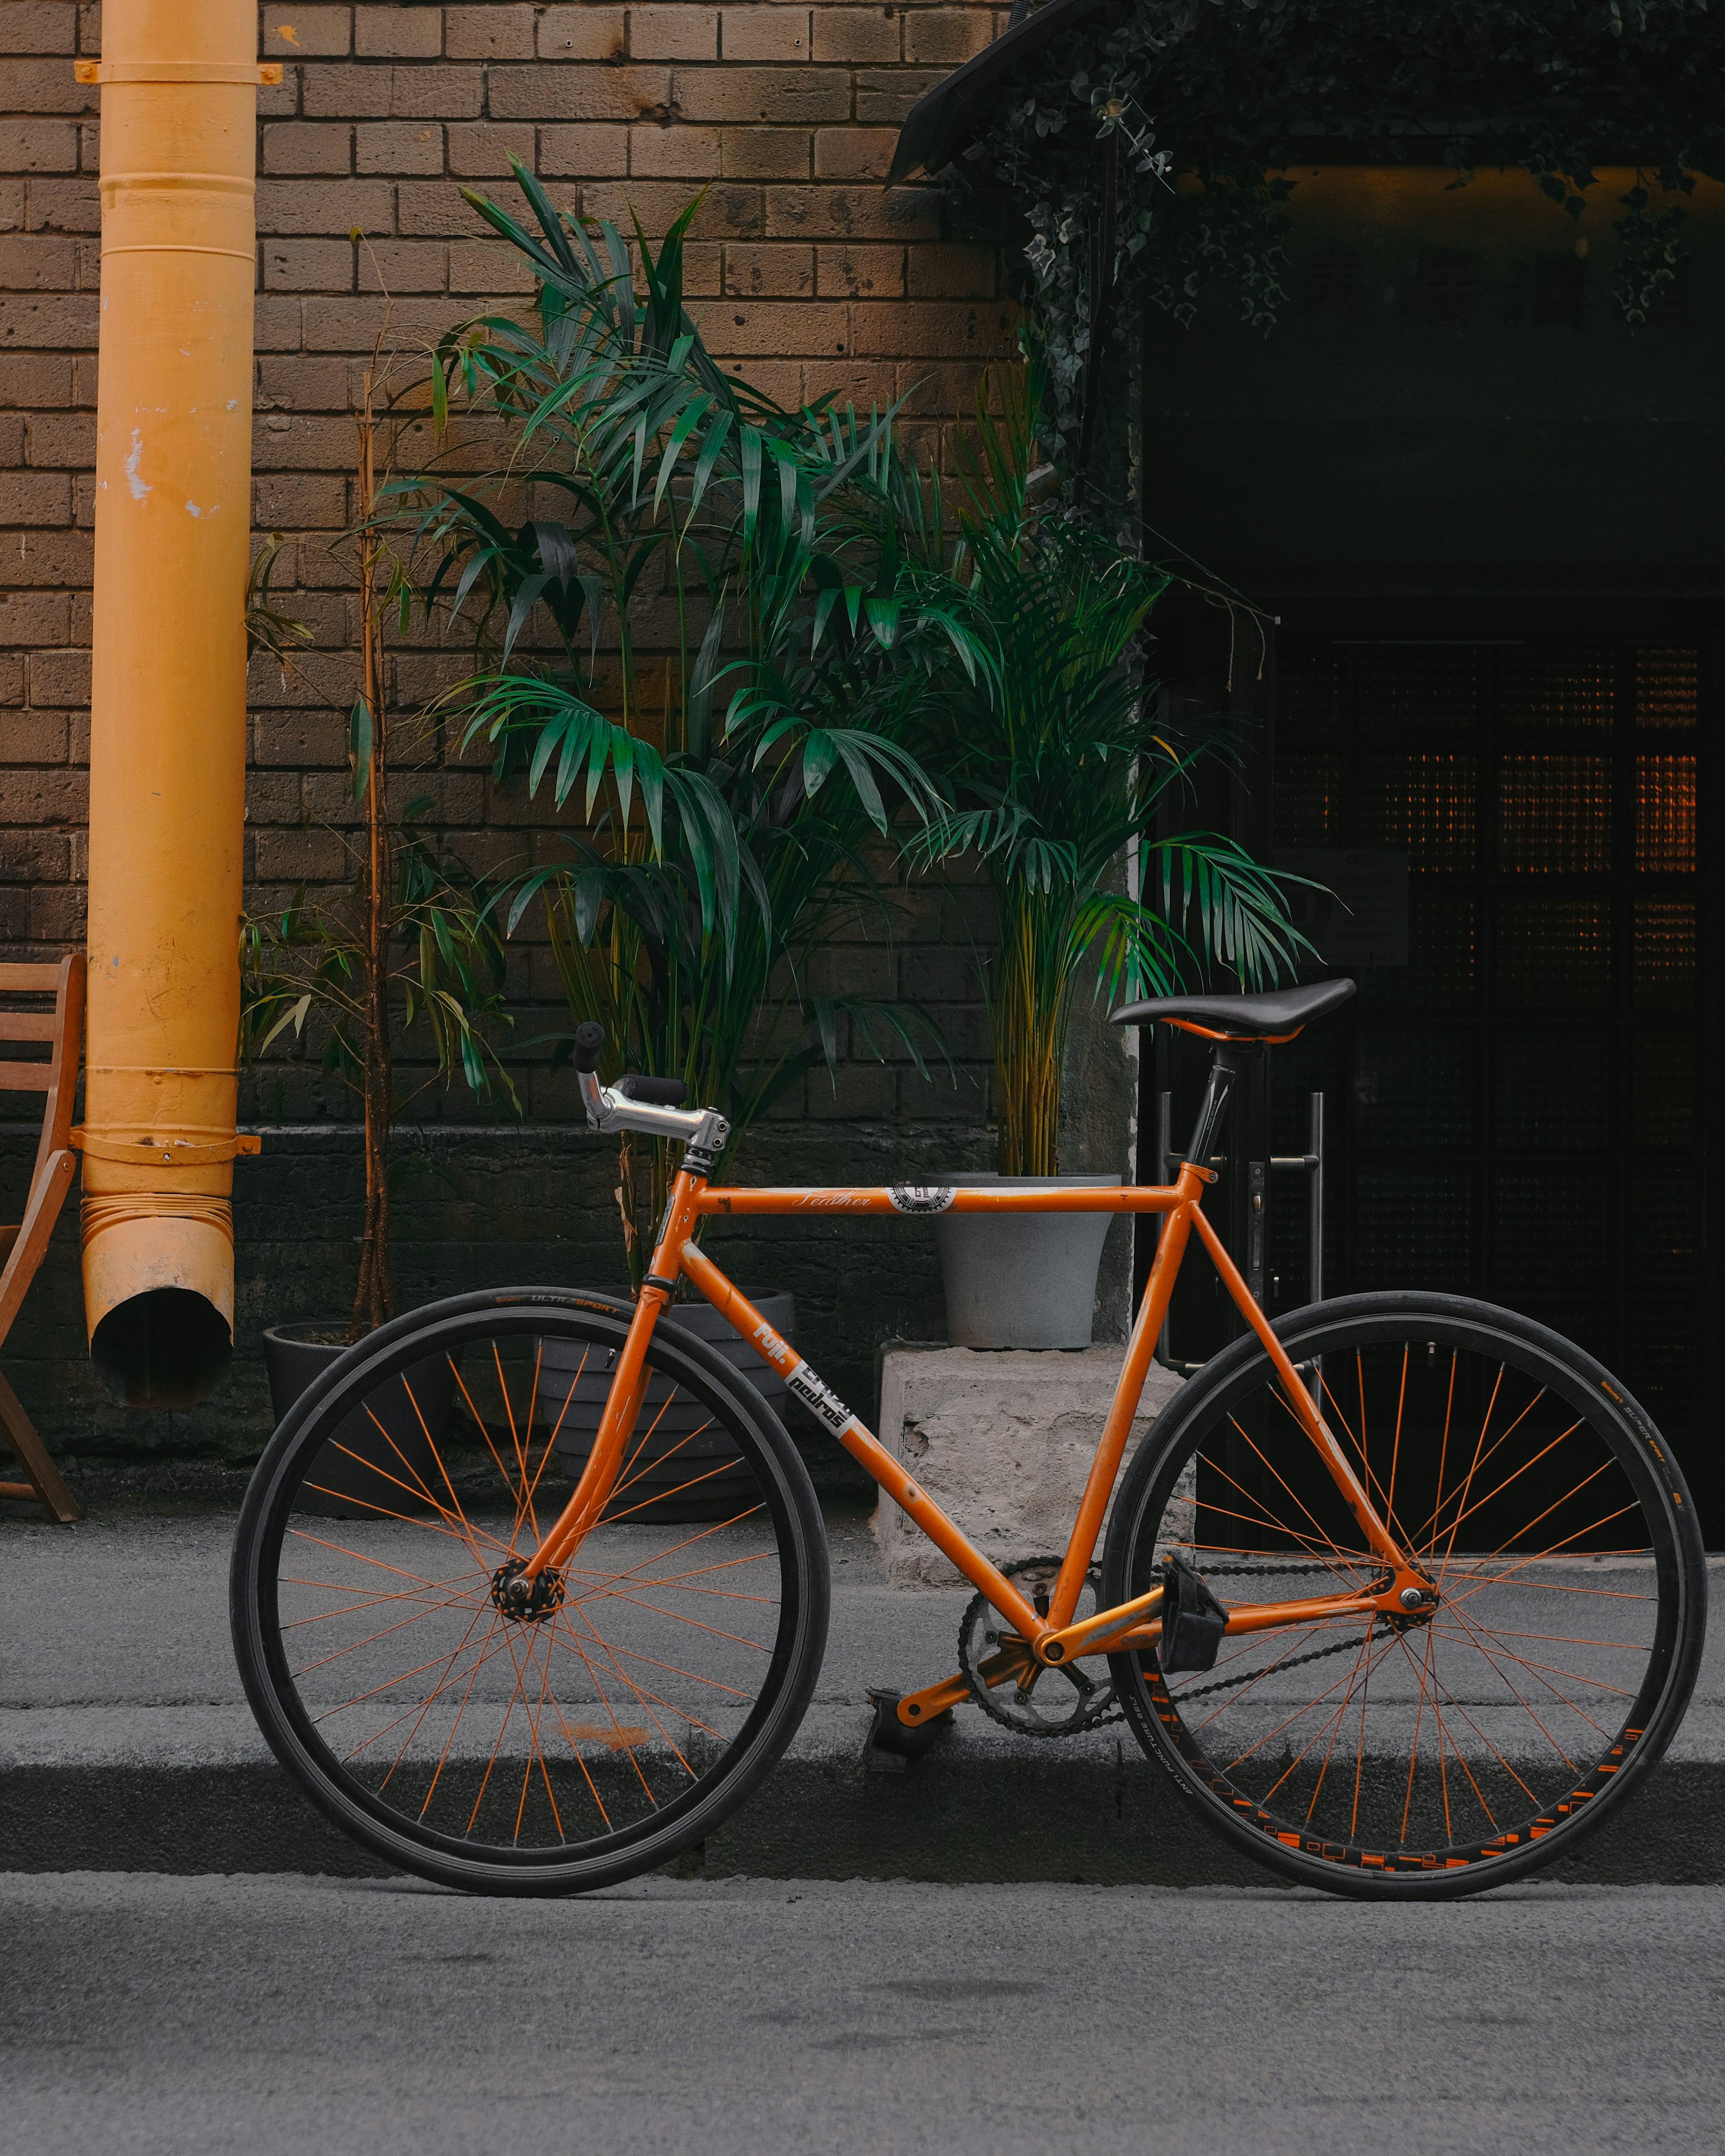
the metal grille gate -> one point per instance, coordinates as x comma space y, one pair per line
1516, 1112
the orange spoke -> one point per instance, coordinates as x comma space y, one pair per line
418, 1487
645, 1693
431, 1443
1443, 1458
536, 1753
575, 1754
1395, 1449
1322, 1548
1498, 1489
336, 1654
1253, 1640
1359, 1756
526, 1510
644, 1697
1496, 1446
1477, 1636
417, 1522
359, 1699
1539, 1557
1465, 1717
1558, 1639
1478, 1642
1288, 1723
486, 1654
472, 1680
1551, 1586
1414, 1749
1316, 1528
431, 1696
714, 1527
623, 1742
1245, 1689
1336, 1720
1473, 1466
515, 1438
484, 1428
634, 1602
359, 1556
725, 1467
653, 1661
502, 1728
367, 1602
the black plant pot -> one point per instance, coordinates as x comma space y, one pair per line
383, 1459
674, 1462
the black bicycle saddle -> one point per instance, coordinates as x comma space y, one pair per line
1243, 1018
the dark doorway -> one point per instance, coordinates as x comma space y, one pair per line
1516, 1104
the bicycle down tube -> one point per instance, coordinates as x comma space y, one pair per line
1053, 1638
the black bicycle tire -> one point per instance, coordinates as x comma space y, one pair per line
806, 1593
1234, 1372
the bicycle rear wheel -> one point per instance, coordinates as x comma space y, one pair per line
649, 1686
1462, 1745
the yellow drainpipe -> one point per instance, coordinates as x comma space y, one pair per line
167, 722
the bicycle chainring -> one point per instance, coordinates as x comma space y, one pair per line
1040, 1702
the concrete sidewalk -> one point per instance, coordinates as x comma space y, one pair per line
126, 1744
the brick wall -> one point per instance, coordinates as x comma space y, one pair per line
806, 272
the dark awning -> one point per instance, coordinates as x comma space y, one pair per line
943, 122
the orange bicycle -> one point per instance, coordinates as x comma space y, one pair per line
1404, 1591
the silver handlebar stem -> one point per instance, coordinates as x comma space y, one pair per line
704, 1131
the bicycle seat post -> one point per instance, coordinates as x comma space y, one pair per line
1227, 1061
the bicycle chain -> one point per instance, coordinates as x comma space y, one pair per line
1227, 1684
1114, 1711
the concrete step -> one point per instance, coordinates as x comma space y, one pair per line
125, 1744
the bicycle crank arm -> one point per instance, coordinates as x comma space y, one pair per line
1097, 1634
922, 1706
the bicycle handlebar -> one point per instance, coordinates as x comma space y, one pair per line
651, 1106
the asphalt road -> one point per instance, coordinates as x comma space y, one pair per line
141, 2014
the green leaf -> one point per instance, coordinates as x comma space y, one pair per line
359, 746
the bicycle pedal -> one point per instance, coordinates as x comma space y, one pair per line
1193, 1619
891, 1745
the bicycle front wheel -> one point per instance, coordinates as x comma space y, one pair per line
1485, 1733
610, 1723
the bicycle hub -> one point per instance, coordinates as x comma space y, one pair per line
528, 1601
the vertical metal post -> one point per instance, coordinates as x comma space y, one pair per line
1315, 1229
1315, 1220
1165, 1169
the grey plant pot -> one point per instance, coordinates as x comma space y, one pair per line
675, 1462
365, 1471
1022, 1281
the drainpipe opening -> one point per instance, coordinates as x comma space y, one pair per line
166, 1348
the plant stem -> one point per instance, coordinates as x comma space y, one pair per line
1030, 1004
374, 1297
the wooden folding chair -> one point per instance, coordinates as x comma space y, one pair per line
24, 1247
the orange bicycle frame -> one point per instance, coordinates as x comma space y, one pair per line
1049, 1639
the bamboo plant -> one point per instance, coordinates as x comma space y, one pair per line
725, 797
1060, 769
407, 945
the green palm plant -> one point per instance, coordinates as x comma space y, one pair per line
728, 799
1059, 769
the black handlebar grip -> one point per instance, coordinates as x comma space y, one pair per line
589, 1045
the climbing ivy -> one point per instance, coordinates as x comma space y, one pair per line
1209, 102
